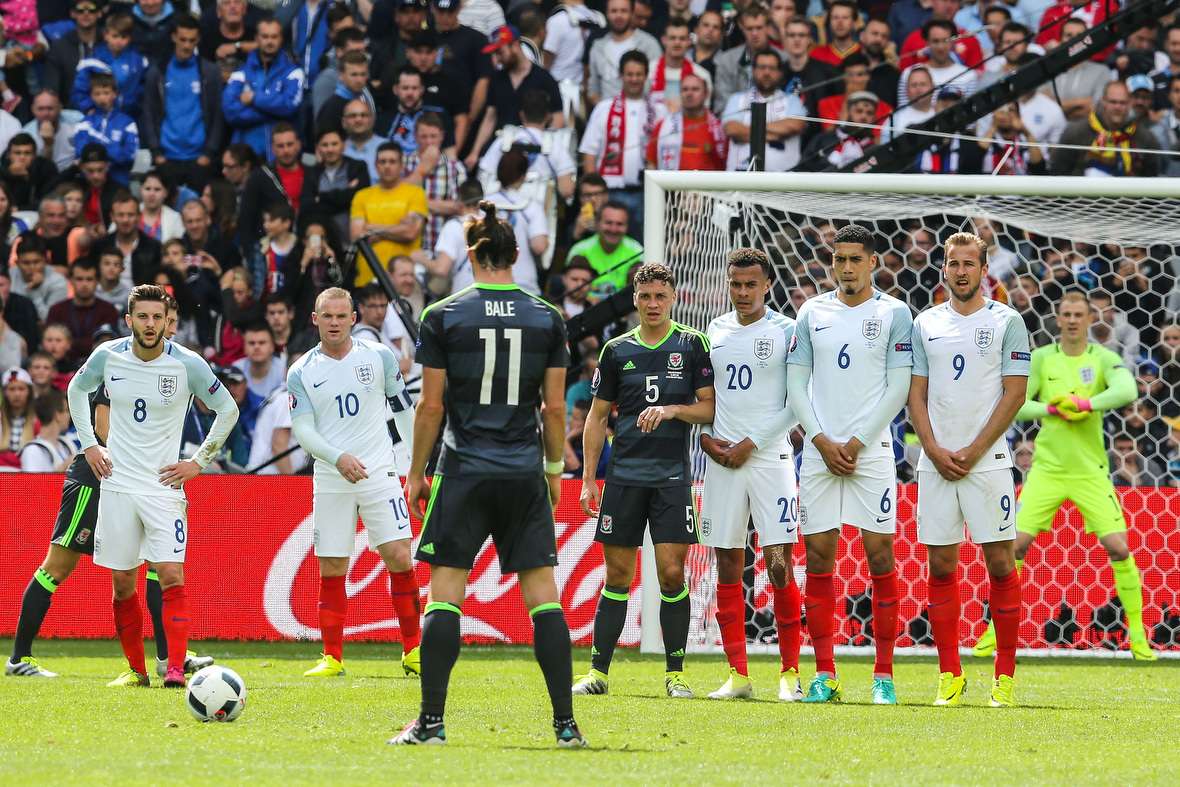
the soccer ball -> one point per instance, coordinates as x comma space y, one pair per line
216, 693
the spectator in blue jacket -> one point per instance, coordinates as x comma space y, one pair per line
267, 89
115, 57
182, 123
109, 127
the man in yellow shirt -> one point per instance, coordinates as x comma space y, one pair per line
396, 211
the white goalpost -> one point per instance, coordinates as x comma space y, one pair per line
1047, 235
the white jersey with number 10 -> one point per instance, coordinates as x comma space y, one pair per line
849, 350
348, 400
750, 364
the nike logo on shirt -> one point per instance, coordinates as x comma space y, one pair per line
317, 385
114, 378
935, 338
819, 328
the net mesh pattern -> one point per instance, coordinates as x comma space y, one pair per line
1123, 251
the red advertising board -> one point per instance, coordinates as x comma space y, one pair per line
251, 573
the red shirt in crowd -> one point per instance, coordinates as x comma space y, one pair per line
292, 184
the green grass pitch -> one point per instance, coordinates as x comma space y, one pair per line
1080, 722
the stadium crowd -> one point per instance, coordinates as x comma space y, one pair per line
232, 151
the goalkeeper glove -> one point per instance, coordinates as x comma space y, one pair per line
1069, 407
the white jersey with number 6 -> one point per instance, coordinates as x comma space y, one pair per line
750, 364
849, 350
348, 401
966, 359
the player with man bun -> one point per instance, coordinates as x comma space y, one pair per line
493, 357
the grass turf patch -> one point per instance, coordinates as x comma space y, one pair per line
1078, 722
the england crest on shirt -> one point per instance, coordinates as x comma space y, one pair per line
167, 384
1087, 374
763, 348
871, 329
364, 373
984, 337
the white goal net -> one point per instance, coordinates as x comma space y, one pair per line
1114, 238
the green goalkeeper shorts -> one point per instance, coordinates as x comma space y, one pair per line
1044, 493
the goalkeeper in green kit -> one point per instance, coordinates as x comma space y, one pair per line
1070, 385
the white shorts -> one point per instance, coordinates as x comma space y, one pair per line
382, 507
732, 495
985, 501
867, 499
134, 528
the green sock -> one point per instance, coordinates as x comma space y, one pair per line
1130, 590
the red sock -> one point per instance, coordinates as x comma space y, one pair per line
821, 620
175, 614
786, 614
129, 625
731, 617
403, 588
884, 622
945, 606
333, 610
1005, 607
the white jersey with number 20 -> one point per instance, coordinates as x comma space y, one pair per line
750, 364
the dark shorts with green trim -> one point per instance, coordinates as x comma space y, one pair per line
77, 517
668, 510
463, 512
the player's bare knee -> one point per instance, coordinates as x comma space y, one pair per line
123, 584
730, 565
396, 555
171, 575
1117, 552
671, 577
60, 563
821, 553
333, 566
537, 587
942, 561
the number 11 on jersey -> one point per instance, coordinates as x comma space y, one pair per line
488, 337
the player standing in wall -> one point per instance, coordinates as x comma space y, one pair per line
853, 347
73, 536
143, 512
1068, 382
660, 374
971, 362
492, 355
339, 393
751, 469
